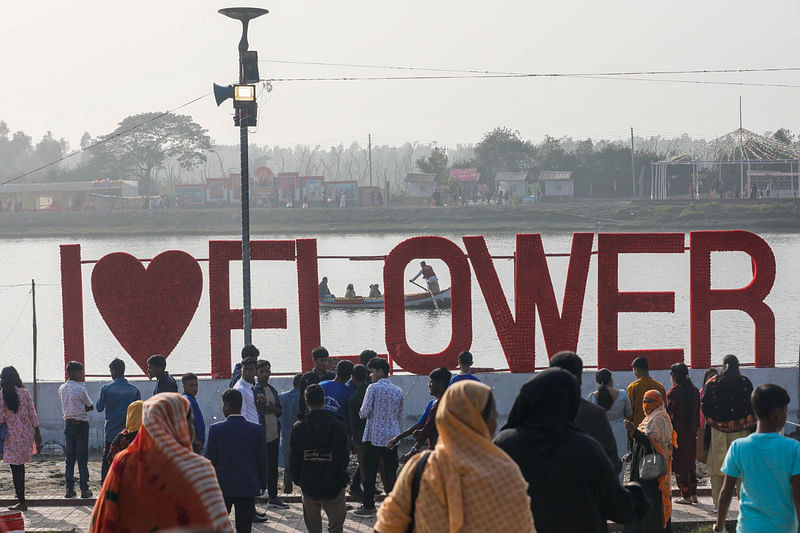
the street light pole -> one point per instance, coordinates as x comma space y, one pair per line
244, 14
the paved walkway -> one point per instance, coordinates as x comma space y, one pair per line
76, 518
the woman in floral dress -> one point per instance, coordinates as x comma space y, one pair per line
22, 436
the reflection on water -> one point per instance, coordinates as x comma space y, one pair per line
350, 331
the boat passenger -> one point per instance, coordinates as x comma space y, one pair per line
324, 291
430, 276
374, 291
350, 292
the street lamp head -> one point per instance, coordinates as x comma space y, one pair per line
243, 13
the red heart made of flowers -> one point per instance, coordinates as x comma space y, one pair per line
147, 309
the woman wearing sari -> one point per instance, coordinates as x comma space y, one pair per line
654, 433
132, 424
468, 484
157, 482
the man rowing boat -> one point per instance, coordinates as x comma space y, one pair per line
430, 277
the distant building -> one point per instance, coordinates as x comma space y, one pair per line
556, 185
420, 185
71, 194
513, 182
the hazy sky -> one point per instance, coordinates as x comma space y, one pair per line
81, 65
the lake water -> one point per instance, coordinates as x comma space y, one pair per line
347, 332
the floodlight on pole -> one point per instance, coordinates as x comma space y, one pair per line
245, 106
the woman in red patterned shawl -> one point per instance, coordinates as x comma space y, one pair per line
158, 482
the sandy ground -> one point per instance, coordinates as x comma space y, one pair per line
44, 477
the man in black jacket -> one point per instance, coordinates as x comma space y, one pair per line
318, 460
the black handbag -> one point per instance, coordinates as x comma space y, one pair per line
652, 465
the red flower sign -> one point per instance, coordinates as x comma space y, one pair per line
147, 310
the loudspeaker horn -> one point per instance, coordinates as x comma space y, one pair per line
222, 93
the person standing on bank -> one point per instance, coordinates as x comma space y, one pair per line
768, 466
637, 389
235, 446
269, 411
246, 385
22, 430
75, 406
426, 271
683, 406
653, 435
248, 351
617, 406
290, 406
727, 409
359, 385
383, 411
337, 392
157, 369
115, 397
318, 458
319, 373
190, 388
464, 368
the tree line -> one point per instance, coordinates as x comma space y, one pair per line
161, 150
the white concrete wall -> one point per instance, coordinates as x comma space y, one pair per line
505, 388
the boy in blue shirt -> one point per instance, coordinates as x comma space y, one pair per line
768, 465
190, 386
464, 368
336, 390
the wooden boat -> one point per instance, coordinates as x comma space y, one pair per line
420, 300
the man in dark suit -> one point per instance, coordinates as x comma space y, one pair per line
234, 447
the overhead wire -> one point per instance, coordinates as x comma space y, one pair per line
104, 140
22, 309
553, 74
463, 74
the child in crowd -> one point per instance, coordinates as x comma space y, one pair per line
269, 410
190, 387
290, 406
75, 406
768, 465
437, 384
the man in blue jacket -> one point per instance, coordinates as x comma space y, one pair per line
234, 446
115, 397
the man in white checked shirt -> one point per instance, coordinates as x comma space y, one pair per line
75, 406
383, 410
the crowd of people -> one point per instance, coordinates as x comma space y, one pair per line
557, 464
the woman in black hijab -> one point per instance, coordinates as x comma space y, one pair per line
571, 481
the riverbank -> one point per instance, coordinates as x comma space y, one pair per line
597, 216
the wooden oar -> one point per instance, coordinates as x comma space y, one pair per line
429, 291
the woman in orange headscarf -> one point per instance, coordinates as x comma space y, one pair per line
468, 484
157, 482
654, 433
